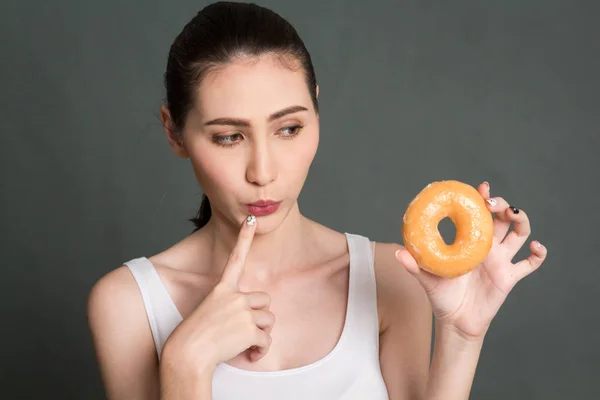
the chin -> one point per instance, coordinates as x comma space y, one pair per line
271, 222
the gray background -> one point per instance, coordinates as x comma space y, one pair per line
411, 92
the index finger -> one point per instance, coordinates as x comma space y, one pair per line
237, 259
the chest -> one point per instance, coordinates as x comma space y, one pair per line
310, 318
310, 312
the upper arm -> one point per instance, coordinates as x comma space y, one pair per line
122, 339
405, 326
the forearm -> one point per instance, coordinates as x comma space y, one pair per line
453, 365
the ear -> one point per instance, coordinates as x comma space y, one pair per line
317, 91
174, 137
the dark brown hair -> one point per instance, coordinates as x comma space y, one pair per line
217, 35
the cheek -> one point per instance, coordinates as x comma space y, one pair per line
214, 172
298, 161
308, 151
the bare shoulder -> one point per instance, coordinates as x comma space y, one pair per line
115, 295
121, 337
405, 325
118, 282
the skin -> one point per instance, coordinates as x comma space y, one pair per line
289, 263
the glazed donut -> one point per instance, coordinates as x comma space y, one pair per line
465, 206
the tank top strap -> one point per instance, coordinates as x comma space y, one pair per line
363, 294
161, 311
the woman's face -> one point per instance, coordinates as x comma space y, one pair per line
252, 137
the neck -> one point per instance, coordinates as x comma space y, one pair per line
272, 252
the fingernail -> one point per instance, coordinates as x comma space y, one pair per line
514, 209
396, 254
486, 183
491, 202
251, 220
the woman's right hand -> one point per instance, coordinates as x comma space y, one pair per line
227, 322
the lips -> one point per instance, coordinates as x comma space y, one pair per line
263, 207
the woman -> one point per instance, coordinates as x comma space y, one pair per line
260, 302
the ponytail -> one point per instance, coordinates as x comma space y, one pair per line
203, 215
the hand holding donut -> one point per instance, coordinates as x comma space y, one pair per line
467, 281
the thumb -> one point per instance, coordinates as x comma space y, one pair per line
234, 268
428, 280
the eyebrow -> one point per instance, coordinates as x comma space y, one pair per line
246, 123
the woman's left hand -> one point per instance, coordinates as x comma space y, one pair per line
469, 302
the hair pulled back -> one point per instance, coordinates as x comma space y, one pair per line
219, 34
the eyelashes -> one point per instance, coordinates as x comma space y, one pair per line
228, 140
287, 133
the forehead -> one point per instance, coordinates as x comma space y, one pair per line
252, 88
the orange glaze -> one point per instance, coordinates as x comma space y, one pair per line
466, 208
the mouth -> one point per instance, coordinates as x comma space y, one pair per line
263, 207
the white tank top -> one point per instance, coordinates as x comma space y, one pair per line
350, 371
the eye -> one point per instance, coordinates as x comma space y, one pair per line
289, 132
227, 140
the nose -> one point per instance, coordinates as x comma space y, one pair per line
262, 165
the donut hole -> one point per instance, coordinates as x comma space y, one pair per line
447, 230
